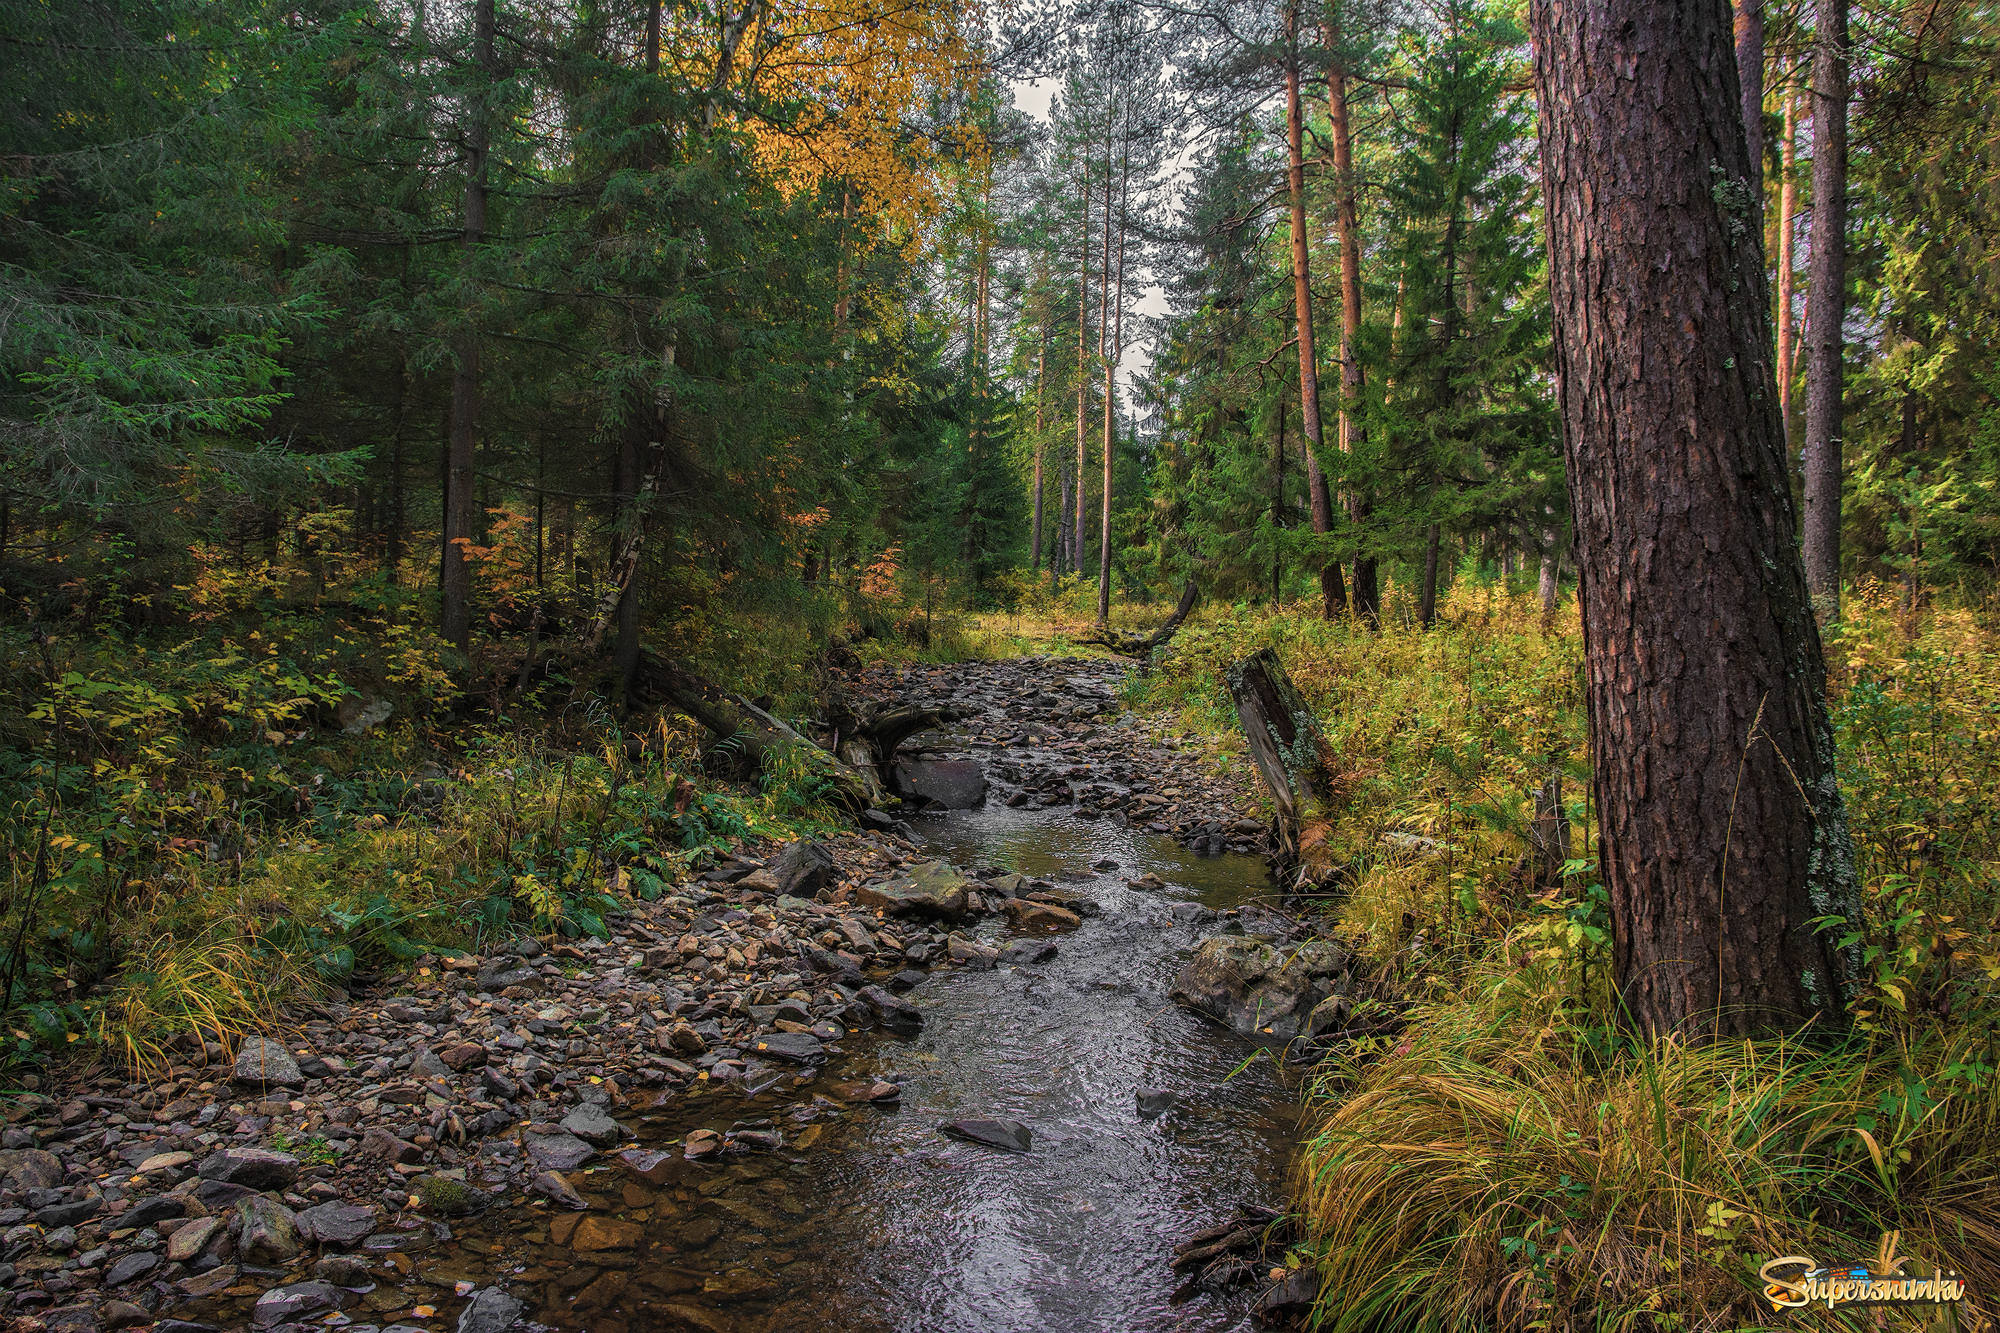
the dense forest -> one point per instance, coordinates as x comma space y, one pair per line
518, 516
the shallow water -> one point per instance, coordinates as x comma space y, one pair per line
869, 1219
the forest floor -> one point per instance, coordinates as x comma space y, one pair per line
329, 1168
516, 966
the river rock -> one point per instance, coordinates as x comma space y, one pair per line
251, 1168
336, 1223
1028, 951
559, 1152
931, 889
1028, 914
263, 1063
594, 1125
892, 1011
803, 868
267, 1232
559, 1191
1007, 1135
954, 784
1247, 983
26, 1169
799, 1048
490, 1311
287, 1304
1154, 1101
595, 1233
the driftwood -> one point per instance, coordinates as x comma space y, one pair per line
1134, 645
1292, 757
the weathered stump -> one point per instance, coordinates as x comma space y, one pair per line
1292, 756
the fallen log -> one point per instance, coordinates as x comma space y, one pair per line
734, 720
866, 738
1134, 645
1292, 756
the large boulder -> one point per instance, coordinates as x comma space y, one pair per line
931, 889
1261, 990
954, 784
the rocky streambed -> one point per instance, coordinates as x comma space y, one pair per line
924, 1075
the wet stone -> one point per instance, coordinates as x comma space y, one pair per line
797, 1047
594, 1125
559, 1152
1154, 1101
336, 1223
282, 1305
1008, 1135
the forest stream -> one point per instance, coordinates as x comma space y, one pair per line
728, 1116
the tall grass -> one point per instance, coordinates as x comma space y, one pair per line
1512, 1158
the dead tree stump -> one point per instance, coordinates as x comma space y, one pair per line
1293, 758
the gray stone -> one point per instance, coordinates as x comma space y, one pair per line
1154, 1101
800, 1048
131, 1268
282, 1305
267, 1232
490, 1311
426, 1064
954, 784
803, 868
1264, 992
263, 1063
337, 1223
931, 889
559, 1152
594, 1126
1008, 1135
26, 1169
191, 1239
252, 1168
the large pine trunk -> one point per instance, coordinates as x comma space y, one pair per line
1333, 587
1347, 220
1826, 307
1723, 833
454, 570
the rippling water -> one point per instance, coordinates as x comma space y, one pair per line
881, 1223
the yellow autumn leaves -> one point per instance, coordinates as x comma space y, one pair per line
840, 86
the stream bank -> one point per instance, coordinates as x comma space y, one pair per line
726, 1117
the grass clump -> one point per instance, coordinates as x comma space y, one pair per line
1511, 1157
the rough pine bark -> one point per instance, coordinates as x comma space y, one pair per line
1723, 833
1333, 588
1347, 221
1788, 209
1749, 34
1826, 307
455, 572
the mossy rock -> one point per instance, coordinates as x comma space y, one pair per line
442, 1196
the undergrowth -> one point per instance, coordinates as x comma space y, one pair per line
273, 794
1510, 1157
